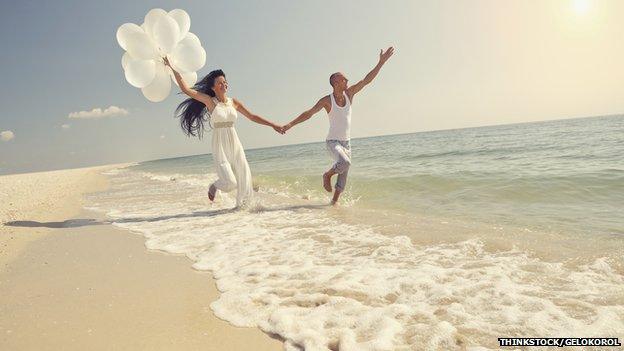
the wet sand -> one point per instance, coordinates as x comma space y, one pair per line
71, 281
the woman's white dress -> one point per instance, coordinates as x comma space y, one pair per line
228, 153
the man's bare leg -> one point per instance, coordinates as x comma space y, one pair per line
337, 193
327, 180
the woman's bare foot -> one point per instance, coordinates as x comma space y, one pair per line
212, 192
327, 181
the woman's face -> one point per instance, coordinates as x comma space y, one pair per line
220, 85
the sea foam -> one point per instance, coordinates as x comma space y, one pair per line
323, 284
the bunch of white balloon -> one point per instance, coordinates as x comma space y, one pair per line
162, 33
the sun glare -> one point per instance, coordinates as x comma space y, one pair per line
581, 6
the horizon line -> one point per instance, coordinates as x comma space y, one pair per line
396, 134
315, 142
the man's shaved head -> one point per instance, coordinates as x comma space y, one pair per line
333, 77
338, 78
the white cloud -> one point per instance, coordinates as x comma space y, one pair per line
97, 113
7, 135
65, 126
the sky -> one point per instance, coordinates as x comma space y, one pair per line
457, 64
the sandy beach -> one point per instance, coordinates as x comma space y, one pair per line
71, 281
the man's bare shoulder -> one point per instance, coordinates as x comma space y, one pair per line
325, 101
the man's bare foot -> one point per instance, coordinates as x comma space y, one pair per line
327, 182
212, 192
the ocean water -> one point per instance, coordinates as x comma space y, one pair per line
444, 240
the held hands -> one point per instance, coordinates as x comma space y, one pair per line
282, 129
384, 56
279, 129
286, 127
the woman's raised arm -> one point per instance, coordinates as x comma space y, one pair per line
199, 96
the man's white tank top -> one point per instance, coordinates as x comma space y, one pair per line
339, 120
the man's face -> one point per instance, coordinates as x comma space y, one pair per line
340, 81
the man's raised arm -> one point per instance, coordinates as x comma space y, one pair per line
383, 57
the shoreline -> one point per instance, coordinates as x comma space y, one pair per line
46, 197
70, 280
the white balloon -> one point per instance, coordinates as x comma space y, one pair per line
183, 20
189, 58
140, 46
125, 59
191, 38
151, 18
161, 34
189, 78
166, 33
160, 87
124, 31
140, 73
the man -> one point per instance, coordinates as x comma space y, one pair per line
338, 107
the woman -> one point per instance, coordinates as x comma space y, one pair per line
209, 95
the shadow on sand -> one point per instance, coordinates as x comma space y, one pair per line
85, 222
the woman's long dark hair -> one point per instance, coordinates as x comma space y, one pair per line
191, 112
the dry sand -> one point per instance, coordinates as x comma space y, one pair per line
70, 281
